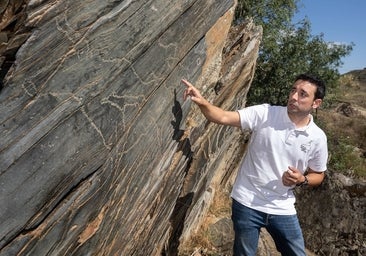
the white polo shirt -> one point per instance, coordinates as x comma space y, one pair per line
275, 144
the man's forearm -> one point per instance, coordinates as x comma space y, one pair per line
315, 178
211, 112
219, 116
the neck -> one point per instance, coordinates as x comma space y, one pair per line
299, 120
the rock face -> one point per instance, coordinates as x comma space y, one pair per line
98, 153
333, 215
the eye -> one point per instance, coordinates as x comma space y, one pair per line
304, 94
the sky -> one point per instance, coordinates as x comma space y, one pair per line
340, 21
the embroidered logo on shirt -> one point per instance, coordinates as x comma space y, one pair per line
306, 147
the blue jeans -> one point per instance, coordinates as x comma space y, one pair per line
284, 229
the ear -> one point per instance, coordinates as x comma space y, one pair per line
317, 103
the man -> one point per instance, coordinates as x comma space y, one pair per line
287, 149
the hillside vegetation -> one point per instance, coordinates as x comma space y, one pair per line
344, 120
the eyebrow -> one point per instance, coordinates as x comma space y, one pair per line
303, 91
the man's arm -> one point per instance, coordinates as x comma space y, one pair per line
314, 178
211, 112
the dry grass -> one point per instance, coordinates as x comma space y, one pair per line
352, 89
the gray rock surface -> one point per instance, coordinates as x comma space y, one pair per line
98, 153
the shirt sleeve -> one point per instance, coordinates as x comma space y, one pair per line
318, 162
251, 117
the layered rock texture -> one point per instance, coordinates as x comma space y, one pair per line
99, 155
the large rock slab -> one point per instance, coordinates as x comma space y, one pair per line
98, 153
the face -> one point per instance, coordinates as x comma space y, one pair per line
302, 98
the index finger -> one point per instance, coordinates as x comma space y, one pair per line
186, 83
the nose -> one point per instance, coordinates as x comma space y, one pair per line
294, 96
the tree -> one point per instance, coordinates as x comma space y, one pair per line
287, 50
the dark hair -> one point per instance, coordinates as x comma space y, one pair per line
320, 85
